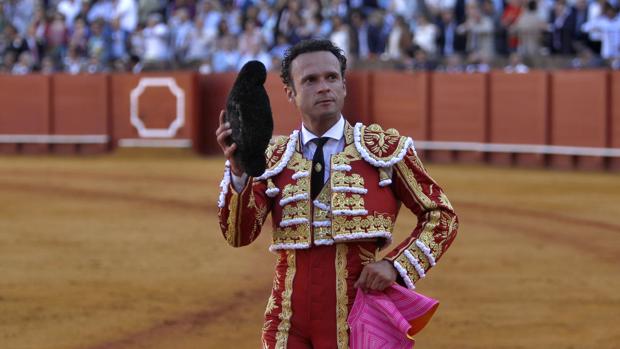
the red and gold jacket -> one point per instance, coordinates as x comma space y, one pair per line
376, 172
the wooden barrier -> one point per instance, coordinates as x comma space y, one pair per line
165, 109
518, 114
614, 120
80, 108
25, 111
579, 103
401, 101
459, 113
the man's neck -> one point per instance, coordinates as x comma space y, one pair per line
319, 127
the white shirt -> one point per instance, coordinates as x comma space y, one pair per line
334, 145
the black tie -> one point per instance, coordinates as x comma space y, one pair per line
318, 167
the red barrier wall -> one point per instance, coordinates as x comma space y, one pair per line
518, 114
156, 108
25, 102
401, 101
579, 103
614, 127
458, 111
81, 107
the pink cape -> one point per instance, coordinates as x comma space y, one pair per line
388, 319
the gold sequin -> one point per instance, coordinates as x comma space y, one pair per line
342, 310
287, 311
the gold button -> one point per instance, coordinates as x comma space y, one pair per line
317, 167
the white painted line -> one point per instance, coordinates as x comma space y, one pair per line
154, 143
518, 148
55, 139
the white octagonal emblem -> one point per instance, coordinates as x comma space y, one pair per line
178, 121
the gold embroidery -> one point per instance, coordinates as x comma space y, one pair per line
342, 201
300, 187
299, 209
292, 234
380, 144
414, 187
427, 235
444, 201
231, 231
341, 179
252, 201
378, 222
271, 304
299, 163
342, 310
287, 312
366, 256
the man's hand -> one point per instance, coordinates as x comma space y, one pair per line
376, 276
222, 133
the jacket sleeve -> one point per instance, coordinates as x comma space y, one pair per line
241, 215
437, 222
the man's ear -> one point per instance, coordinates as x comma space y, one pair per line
344, 85
290, 94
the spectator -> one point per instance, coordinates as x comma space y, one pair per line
561, 29
453, 64
448, 40
257, 53
103, 9
516, 65
200, 45
341, 36
79, 36
578, 16
24, 64
126, 11
435, 7
479, 30
57, 38
478, 63
47, 65
70, 10
359, 44
529, 29
156, 36
585, 60
15, 43
511, 13
226, 57
98, 45
400, 41
35, 45
608, 26
425, 35
251, 40
19, 13
8, 60
422, 61
181, 29
146, 7
73, 63
211, 17
119, 41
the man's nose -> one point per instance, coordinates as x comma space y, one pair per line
324, 86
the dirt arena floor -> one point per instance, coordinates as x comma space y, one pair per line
124, 251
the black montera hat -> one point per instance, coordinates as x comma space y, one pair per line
249, 113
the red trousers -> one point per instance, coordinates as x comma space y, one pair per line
312, 295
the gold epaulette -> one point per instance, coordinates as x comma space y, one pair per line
381, 148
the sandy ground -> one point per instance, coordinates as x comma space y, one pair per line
124, 251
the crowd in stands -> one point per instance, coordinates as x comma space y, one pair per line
91, 36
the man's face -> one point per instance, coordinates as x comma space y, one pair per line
319, 89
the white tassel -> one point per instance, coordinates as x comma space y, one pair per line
362, 235
289, 246
224, 184
293, 221
403, 274
300, 174
427, 252
350, 190
357, 140
385, 182
415, 263
321, 224
320, 205
288, 153
298, 197
323, 242
349, 212
341, 168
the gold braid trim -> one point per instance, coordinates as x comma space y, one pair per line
287, 311
414, 187
231, 231
342, 311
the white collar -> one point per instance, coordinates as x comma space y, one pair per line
335, 132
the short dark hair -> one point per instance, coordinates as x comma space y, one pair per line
306, 46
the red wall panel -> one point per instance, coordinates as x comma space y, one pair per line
518, 113
459, 111
614, 127
157, 105
400, 100
579, 113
